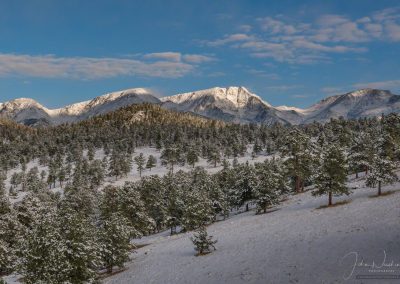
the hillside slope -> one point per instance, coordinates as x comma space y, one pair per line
296, 244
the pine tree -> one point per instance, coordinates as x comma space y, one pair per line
266, 192
256, 149
203, 242
214, 156
174, 198
244, 185
96, 173
151, 162
332, 174
114, 237
170, 156
83, 250
5, 257
298, 149
192, 157
11, 232
197, 209
152, 193
4, 200
139, 161
360, 153
382, 173
43, 252
132, 207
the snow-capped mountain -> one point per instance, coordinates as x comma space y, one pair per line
237, 104
353, 105
30, 112
234, 104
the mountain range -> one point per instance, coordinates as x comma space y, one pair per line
232, 104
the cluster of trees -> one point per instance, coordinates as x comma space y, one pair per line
49, 238
54, 238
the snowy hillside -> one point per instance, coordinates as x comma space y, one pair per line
296, 244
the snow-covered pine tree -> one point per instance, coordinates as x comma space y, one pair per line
96, 173
170, 156
197, 209
332, 174
140, 163
132, 207
152, 193
203, 242
43, 251
244, 185
11, 232
174, 198
267, 191
214, 156
115, 164
114, 236
192, 157
151, 162
382, 173
83, 250
297, 149
360, 153
4, 200
382, 167
6, 259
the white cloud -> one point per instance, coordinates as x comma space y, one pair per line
276, 26
285, 40
319, 47
87, 68
374, 30
391, 84
393, 31
172, 56
229, 39
245, 28
197, 58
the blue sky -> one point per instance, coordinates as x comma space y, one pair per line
287, 52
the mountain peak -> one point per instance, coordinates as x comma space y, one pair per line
21, 103
368, 92
128, 92
237, 95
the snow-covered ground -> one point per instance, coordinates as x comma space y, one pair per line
296, 244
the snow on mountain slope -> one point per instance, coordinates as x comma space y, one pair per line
24, 110
353, 105
296, 244
30, 112
237, 104
234, 104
